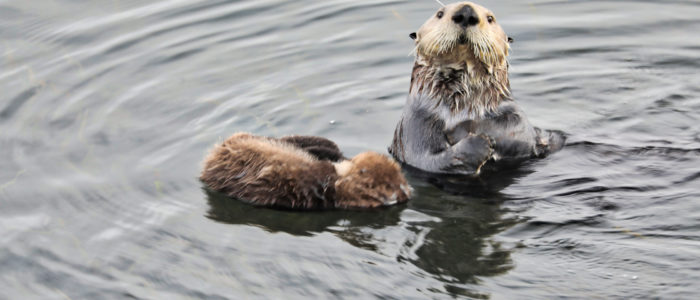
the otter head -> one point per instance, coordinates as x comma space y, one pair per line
461, 59
463, 32
370, 180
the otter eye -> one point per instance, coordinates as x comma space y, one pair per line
490, 19
440, 14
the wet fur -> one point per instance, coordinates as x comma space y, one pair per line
299, 172
460, 117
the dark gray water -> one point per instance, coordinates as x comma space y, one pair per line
108, 107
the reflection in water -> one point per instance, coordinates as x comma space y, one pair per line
108, 107
446, 235
460, 248
232, 211
488, 183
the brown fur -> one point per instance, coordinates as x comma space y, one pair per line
372, 180
281, 173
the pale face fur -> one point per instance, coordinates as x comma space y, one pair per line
461, 63
442, 41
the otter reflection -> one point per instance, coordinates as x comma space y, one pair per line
449, 236
228, 210
490, 182
461, 248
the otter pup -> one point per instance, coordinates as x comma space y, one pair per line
301, 172
460, 116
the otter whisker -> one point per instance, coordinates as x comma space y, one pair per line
415, 49
438, 1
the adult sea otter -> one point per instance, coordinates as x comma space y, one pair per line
460, 117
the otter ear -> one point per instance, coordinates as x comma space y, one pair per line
510, 40
412, 36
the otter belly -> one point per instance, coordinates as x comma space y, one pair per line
435, 140
513, 135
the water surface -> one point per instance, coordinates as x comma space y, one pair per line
108, 107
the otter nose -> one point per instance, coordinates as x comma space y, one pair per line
466, 16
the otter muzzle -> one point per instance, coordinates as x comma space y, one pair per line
466, 16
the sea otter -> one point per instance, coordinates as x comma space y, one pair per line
460, 117
304, 173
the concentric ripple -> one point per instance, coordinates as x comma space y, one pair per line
108, 107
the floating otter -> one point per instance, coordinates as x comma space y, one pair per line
460, 117
300, 172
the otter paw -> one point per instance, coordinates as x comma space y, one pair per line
474, 151
490, 140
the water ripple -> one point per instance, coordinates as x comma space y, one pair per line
109, 107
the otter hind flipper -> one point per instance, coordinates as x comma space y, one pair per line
321, 148
325, 153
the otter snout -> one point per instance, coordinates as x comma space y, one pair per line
466, 16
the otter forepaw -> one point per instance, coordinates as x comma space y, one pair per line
473, 152
490, 140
